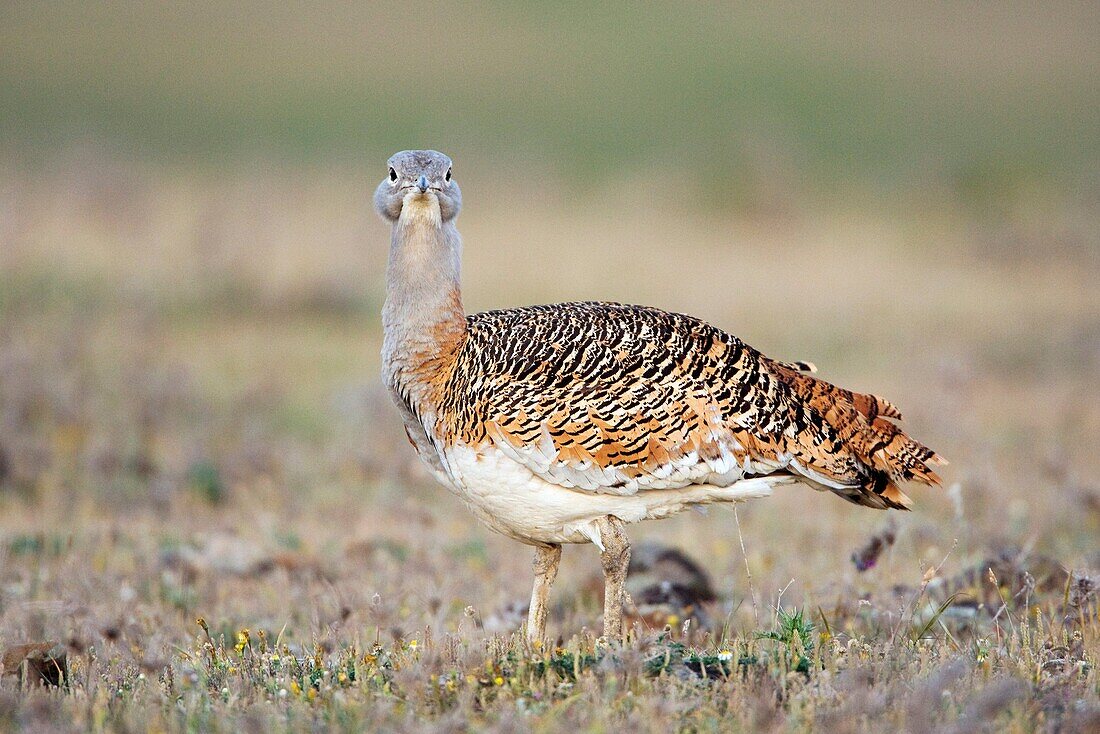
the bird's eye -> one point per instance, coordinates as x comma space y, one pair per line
448, 176
393, 175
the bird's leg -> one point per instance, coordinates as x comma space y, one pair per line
615, 558
546, 570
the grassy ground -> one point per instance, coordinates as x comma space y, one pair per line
191, 427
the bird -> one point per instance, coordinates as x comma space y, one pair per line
565, 423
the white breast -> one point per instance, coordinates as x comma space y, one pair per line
512, 500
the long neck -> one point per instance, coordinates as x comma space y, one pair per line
422, 319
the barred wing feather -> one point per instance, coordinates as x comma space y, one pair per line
612, 398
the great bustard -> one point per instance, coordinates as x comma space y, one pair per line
560, 424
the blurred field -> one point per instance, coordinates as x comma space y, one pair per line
191, 423
984, 99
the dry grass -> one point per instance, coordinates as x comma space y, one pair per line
190, 427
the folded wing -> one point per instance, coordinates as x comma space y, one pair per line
611, 398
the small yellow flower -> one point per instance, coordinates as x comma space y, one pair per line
342, 677
673, 619
498, 681
413, 644
295, 688
243, 638
312, 693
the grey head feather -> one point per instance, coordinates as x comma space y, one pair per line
403, 177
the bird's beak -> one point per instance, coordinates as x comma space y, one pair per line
422, 183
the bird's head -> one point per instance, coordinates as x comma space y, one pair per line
418, 182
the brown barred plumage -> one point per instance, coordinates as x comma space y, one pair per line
635, 389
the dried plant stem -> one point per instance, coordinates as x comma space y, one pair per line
748, 571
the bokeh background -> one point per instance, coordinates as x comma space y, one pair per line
191, 276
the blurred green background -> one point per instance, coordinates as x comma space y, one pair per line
983, 98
